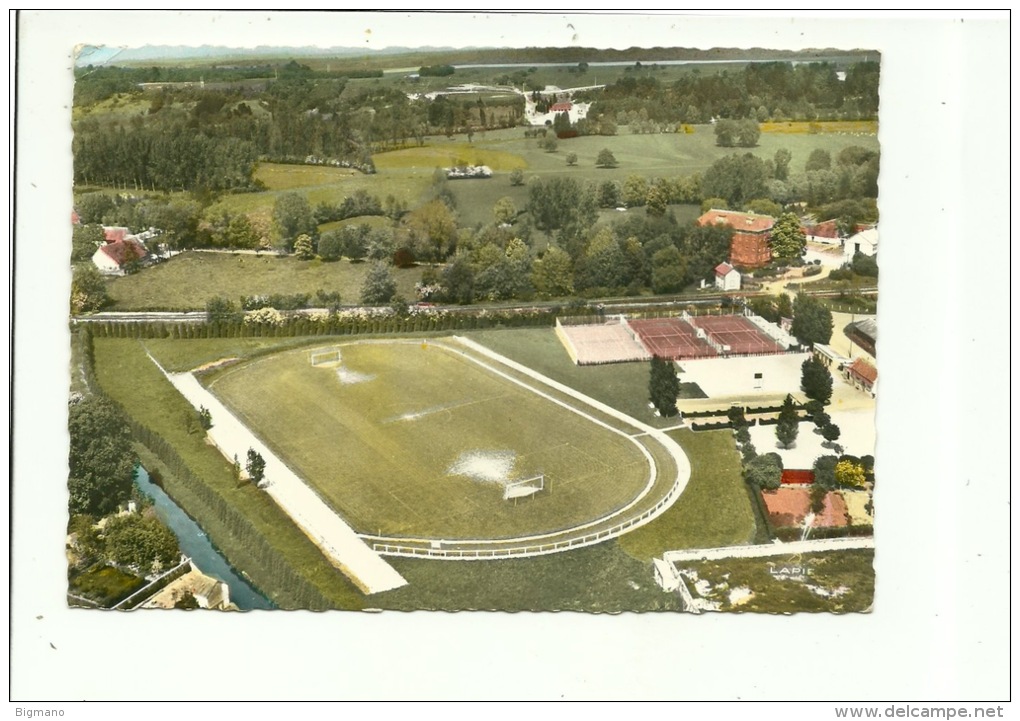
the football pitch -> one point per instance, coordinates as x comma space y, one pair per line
416, 439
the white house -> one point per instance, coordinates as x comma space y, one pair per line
865, 242
727, 277
110, 258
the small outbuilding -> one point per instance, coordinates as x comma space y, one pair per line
727, 277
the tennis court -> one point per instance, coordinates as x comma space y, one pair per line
592, 344
736, 335
671, 338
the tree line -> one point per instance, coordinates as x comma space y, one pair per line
776, 91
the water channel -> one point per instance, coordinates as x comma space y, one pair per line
197, 546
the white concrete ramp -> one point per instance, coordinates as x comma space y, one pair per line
320, 523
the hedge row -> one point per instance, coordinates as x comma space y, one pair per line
792, 533
300, 325
705, 414
774, 421
710, 426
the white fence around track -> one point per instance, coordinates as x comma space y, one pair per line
539, 549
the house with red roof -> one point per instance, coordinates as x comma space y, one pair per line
749, 247
727, 277
116, 257
861, 374
560, 107
115, 233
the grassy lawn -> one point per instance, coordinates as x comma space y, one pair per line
413, 440
623, 386
323, 184
442, 153
151, 400
372, 221
281, 176
600, 579
177, 355
848, 577
714, 510
105, 585
188, 280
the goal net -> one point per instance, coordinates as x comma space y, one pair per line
523, 488
328, 358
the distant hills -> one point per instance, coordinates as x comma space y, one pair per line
92, 55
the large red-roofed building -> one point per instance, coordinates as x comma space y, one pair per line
749, 247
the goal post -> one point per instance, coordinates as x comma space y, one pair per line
524, 488
329, 357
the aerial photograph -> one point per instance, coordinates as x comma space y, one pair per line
519, 328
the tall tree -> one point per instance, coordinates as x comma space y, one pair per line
102, 461
303, 247
788, 425
812, 322
85, 240
815, 380
256, 466
669, 271
781, 161
663, 386
553, 275
88, 289
293, 216
601, 264
459, 280
787, 238
379, 286
140, 541
605, 159
820, 159
433, 228
504, 210
737, 178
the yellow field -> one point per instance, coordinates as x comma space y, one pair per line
446, 155
867, 127
287, 177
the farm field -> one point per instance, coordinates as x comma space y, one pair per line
411, 439
407, 173
188, 280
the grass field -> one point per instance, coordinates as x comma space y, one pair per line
414, 440
188, 280
856, 127
278, 176
847, 576
406, 174
623, 386
598, 579
438, 154
714, 510
151, 400
179, 355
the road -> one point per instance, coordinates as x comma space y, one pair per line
607, 305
